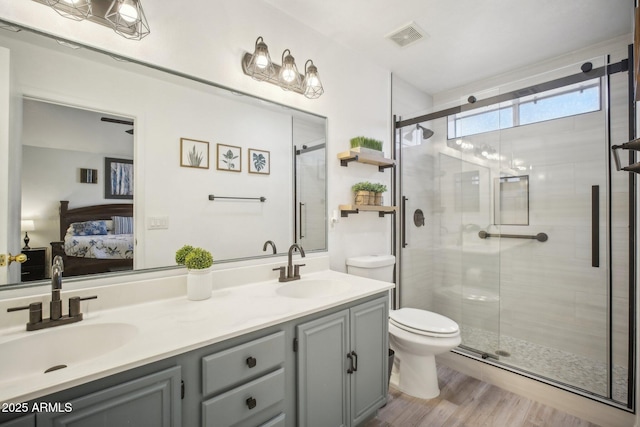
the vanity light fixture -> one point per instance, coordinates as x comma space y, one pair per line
311, 84
289, 76
260, 67
128, 19
125, 17
77, 10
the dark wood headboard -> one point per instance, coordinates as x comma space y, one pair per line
90, 213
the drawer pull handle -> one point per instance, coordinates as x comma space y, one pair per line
251, 361
251, 403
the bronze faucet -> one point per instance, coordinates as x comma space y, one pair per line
292, 271
273, 246
56, 318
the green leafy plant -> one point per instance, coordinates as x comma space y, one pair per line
198, 259
361, 141
362, 186
379, 188
182, 253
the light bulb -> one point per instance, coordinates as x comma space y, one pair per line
288, 75
262, 61
312, 81
128, 12
71, 2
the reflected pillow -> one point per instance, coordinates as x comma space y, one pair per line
88, 228
122, 224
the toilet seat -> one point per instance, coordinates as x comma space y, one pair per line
423, 322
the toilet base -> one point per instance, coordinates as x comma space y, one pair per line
415, 375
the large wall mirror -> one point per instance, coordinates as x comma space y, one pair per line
211, 167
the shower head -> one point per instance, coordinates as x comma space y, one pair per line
426, 133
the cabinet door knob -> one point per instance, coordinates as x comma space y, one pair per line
251, 361
251, 403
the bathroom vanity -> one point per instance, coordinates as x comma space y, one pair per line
260, 354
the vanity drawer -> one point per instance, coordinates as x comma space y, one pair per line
238, 364
274, 422
242, 402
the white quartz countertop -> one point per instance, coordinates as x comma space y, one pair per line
168, 327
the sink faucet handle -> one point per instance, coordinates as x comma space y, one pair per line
296, 269
282, 270
74, 305
35, 311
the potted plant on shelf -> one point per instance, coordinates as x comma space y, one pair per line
362, 191
378, 189
198, 262
361, 144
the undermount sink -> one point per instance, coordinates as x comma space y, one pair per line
313, 288
57, 348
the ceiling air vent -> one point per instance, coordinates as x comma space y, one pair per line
407, 34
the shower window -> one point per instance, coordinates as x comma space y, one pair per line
566, 101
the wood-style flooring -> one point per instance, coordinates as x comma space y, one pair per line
466, 401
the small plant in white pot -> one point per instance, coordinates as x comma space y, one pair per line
198, 262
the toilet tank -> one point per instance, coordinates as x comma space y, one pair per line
378, 267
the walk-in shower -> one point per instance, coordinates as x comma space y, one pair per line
526, 239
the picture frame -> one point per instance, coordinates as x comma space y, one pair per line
194, 153
259, 161
118, 178
229, 158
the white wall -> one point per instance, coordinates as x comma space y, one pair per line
208, 39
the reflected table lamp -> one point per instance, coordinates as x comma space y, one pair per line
27, 225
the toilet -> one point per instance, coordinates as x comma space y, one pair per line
416, 336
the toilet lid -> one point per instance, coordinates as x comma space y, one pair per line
422, 321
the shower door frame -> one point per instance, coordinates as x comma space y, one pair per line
399, 232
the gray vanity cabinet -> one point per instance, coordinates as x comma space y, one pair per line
153, 401
342, 366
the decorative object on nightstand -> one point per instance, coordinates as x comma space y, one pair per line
27, 225
34, 267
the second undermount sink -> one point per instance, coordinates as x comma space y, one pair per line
57, 348
313, 288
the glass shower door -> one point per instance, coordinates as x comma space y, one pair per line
513, 225
444, 266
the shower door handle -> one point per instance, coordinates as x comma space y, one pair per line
300, 216
595, 226
403, 226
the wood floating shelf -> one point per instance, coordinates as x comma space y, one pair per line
345, 210
352, 156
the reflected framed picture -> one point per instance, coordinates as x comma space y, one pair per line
259, 161
194, 153
229, 158
118, 178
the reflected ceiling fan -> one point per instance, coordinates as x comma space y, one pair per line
120, 122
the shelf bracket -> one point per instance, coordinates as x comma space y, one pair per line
345, 214
381, 214
381, 168
345, 162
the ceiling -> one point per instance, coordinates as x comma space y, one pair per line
468, 40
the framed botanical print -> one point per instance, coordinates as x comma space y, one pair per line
259, 161
229, 158
194, 153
